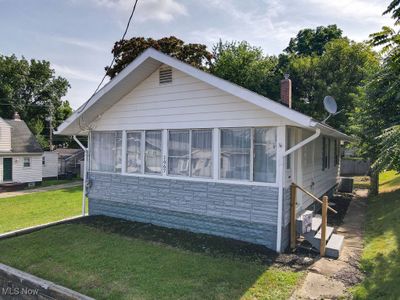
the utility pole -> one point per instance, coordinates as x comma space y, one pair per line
50, 119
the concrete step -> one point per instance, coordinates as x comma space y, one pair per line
334, 246
315, 240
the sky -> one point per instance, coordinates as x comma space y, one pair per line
77, 36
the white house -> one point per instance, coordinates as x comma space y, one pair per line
50, 164
175, 146
20, 153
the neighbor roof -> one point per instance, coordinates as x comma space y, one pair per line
22, 139
66, 152
147, 63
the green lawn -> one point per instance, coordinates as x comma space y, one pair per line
50, 182
38, 208
381, 256
127, 260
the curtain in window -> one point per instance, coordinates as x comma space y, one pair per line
178, 152
264, 165
106, 151
133, 152
153, 153
202, 153
235, 153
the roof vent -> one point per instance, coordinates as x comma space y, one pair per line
165, 75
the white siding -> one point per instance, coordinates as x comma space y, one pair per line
186, 103
5, 137
314, 179
50, 168
22, 174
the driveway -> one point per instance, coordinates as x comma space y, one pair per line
41, 189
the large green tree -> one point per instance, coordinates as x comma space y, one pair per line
125, 51
310, 41
247, 66
31, 88
378, 115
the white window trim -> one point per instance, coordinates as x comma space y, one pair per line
30, 162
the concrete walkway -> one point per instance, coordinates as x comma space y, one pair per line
329, 278
41, 189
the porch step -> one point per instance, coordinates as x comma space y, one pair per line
315, 240
334, 246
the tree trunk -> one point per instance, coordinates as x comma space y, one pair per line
374, 188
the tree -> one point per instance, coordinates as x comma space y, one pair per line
32, 89
378, 115
341, 71
312, 41
125, 51
247, 66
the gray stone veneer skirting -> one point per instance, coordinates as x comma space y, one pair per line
242, 212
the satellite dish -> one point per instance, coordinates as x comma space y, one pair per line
330, 105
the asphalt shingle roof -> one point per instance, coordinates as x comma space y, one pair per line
22, 139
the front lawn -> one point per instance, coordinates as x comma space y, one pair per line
107, 258
39, 208
381, 256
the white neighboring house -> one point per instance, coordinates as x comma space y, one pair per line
50, 164
20, 153
175, 146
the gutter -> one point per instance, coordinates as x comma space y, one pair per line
280, 203
85, 150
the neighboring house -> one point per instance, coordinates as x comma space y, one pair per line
20, 153
68, 161
50, 164
178, 147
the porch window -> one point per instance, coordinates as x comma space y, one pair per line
27, 162
153, 152
264, 165
134, 152
106, 151
190, 152
235, 153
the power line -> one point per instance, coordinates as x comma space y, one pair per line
113, 60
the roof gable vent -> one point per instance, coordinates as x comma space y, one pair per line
165, 75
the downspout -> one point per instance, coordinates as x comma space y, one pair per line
84, 174
286, 153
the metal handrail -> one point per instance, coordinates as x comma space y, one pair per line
312, 196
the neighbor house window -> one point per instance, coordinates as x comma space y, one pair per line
190, 152
153, 152
325, 152
27, 162
264, 165
134, 152
337, 150
106, 151
43, 160
329, 153
235, 153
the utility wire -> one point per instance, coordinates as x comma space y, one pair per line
113, 60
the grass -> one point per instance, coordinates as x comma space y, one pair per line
107, 258
381, 256
361, 182
38, 208
51, 182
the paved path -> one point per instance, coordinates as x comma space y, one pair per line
329, 278
41, 189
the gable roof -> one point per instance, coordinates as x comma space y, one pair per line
147, 63
22, 139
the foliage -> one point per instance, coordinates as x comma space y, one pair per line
125, 51
32, 89
389, 149
312, 41
245, 65
341, 71
381, 258
91, 257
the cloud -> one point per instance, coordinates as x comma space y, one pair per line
71, 73
89, 45
159, 10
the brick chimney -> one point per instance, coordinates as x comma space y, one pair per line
286, 91
16, 116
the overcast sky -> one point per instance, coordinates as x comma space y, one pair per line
76, 36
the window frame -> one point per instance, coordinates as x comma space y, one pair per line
43, 160
90, 141
29, 162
